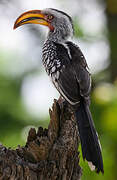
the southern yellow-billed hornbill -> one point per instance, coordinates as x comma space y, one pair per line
67, 68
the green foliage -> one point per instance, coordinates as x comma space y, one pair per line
77, 29
13, 115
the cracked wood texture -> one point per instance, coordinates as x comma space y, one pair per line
49, 154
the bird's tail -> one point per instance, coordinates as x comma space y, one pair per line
90, 144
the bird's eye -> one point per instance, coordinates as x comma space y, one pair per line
50, 17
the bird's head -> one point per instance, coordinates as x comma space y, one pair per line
59, 23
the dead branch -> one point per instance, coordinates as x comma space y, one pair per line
49, 154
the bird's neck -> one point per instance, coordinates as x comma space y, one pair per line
56, 36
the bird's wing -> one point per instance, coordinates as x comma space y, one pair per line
74, 79
81, 70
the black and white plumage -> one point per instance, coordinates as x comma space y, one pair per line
66, 66
65, 73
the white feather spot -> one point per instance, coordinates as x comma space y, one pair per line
48, 60
57, 75
92, 167
53, 69
99, 141
68, 50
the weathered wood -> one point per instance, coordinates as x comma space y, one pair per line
48, 154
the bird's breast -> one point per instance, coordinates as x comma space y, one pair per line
50, 60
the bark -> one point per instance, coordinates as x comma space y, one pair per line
49, 154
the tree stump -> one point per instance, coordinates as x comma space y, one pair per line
49, 154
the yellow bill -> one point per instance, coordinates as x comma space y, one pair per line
32, 17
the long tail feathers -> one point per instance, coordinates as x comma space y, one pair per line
90, 144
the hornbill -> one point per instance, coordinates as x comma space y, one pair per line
68, 70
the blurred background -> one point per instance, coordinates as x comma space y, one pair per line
26, 92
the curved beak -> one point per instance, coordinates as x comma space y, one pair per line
32, 17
